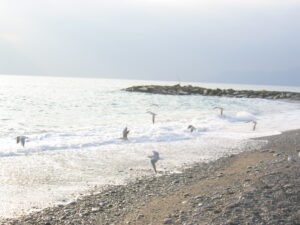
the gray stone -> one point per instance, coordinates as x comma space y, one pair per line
167, 220
140, 216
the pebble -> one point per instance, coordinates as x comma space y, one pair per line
167, 220
95, 209
186, 195
140, 216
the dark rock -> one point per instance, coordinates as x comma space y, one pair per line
140, 216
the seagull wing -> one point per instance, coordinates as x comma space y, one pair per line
152, 113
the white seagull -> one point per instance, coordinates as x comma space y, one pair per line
221, 110
153, 116
125, 133
154, 158
254, 124
21, 139
191, 128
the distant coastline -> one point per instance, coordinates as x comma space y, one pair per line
195, 90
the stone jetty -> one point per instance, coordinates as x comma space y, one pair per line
194, 90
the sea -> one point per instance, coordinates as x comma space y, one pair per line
74, 128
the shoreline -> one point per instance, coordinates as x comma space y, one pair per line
238, 188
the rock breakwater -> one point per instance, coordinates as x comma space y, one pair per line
194, 90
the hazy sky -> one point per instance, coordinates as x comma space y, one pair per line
236, 41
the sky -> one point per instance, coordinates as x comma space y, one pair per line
231, 41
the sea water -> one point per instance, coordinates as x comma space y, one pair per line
74, 126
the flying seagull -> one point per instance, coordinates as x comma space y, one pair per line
125, 133
221, 110
22, 140
153, 116
254, 124
191, 128
154, 158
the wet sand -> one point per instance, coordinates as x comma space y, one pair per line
257, 187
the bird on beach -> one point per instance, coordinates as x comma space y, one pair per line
153, 159
221, 110
21, 139
254, 124
153, 116
191, 128
125, 133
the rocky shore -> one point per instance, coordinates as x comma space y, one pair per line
258, 187
193, 90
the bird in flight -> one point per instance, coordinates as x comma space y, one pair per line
221, 110
153, 159
125, 133
191, 128
254, 124
153, 116
21, 139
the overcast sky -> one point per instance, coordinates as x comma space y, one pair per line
233, 41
